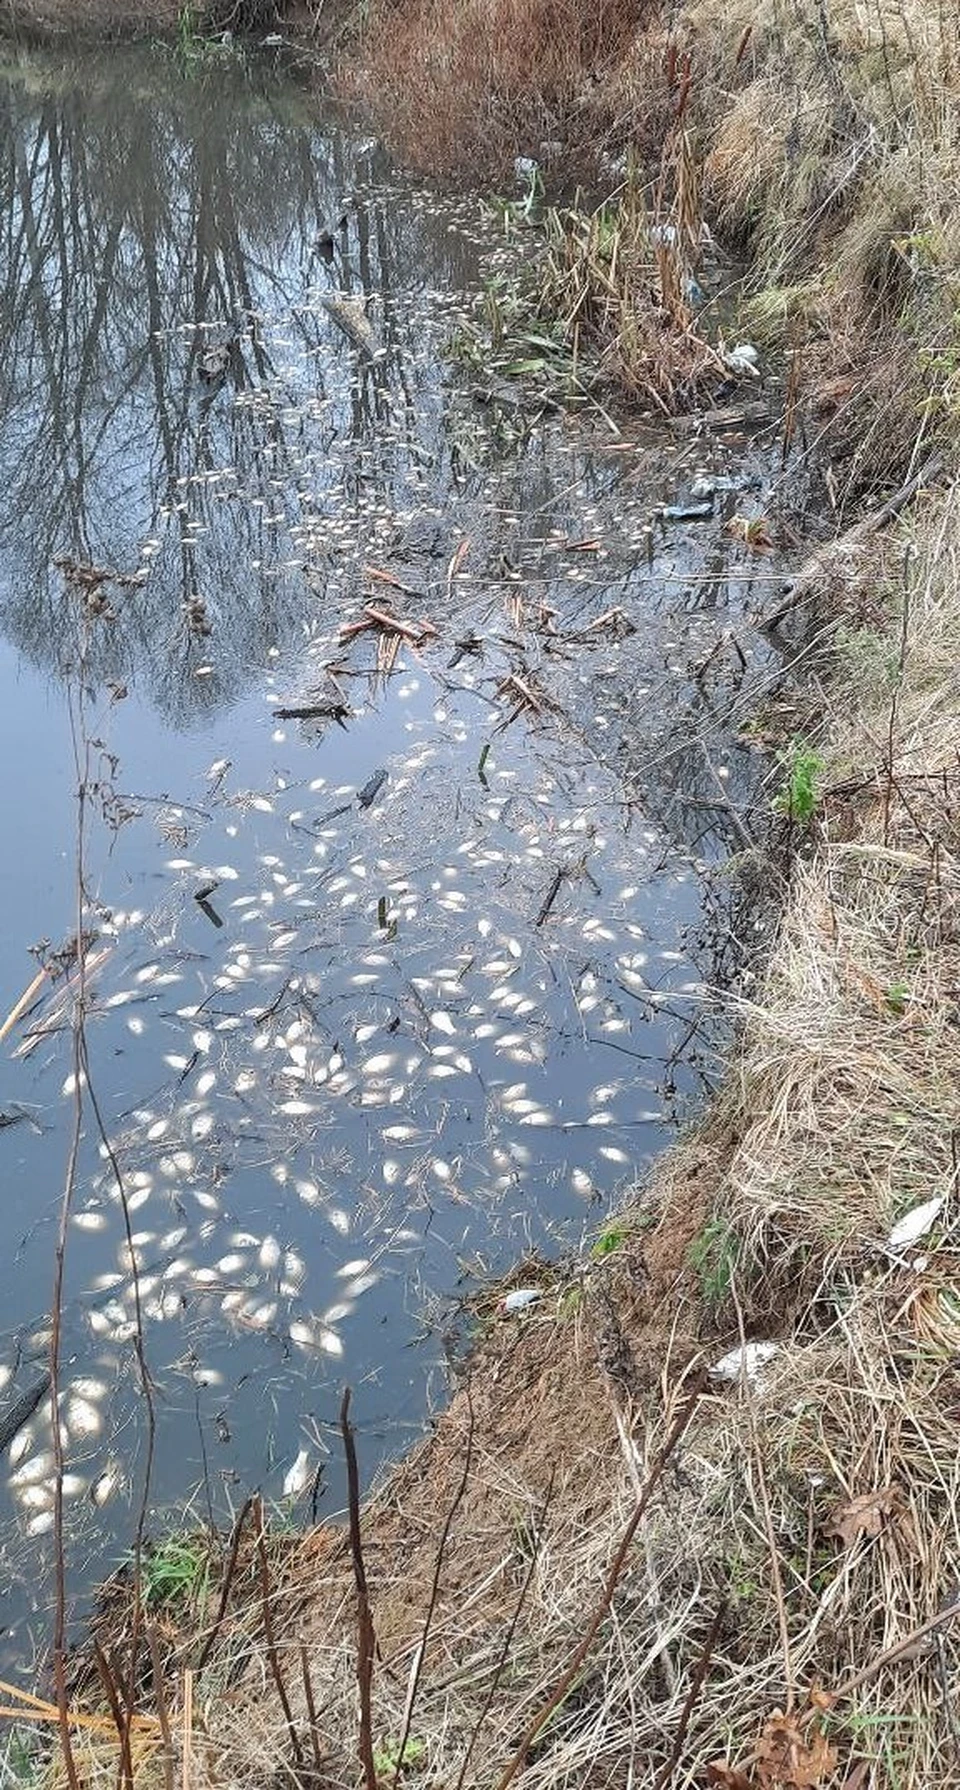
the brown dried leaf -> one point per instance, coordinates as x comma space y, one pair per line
863, 1515
789, 1759
728, 1778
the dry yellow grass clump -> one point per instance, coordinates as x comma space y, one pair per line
832, 155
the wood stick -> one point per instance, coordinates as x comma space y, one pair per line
186, 1763
394, 624
814, 568
381, 577
583, 1647
160, 1697
268, 1633
20, 1007
666, 1771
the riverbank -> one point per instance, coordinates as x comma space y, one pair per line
768, 1621
820, 145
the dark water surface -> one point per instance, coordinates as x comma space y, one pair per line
354, 1040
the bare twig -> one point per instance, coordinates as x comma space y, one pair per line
270, 1637
550, 897
160, 1698
227, 1582
366, 1640
109, 1683
311, 1711
434, 1592
510, 1632
689, 1703
584, 1645
811, 573
905, 1649
186, 1762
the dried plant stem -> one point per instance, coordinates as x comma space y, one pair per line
584, 1645
310, 1701
160, 1698
434, 1590
270, 1637
366, 1640
509, 1634
665, 1773
227, 1582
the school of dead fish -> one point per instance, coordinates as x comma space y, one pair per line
379, 1026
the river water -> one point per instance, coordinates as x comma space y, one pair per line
378, 998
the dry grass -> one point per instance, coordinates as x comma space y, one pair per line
468, 87
601, 303
833, 157
829, 146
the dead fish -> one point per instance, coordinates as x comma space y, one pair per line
21, 1411
371, 789
686, 512
520, 1299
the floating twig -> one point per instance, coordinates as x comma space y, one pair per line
382, 577
20, 1007
559, 877
395, 624
463, 548
314, 711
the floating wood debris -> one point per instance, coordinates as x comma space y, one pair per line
56, 1016
350, 315
612, 621
373, 616
463, 548
371, 789
381, 577
27, 998
522, 695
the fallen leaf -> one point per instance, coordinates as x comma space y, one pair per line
863, 1515
789, 1759
728, 1778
